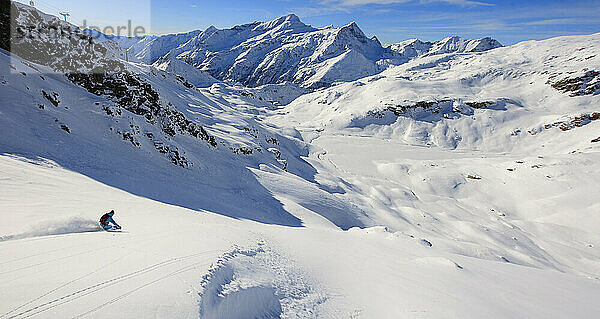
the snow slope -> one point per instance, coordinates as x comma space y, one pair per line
154, 48
456, 185
192, 75
148, 48
104, 124
200, 264
486, 152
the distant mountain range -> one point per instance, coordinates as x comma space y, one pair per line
286, 50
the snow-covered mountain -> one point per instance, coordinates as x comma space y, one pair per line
146, 49
414, 47
460, 45
283, 50
150, 50
450, 181
287, 50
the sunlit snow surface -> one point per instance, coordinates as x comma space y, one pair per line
459, 185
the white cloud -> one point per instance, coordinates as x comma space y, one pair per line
563, 21
461, 2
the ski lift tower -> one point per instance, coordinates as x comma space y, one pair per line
65, 14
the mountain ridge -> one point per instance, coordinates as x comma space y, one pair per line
287, 50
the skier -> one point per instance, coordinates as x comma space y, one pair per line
106, 219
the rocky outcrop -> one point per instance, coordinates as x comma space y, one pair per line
586, 84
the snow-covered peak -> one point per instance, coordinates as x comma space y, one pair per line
484, 44
411, 48
352, 29
290, 21
280, 50
457, 44
414, 47
374, 38
210, 29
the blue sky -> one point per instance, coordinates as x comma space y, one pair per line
390, 20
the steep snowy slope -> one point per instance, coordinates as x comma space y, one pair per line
148, 48
197, 78
152, 49
115, 116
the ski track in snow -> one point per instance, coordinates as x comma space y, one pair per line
43, 307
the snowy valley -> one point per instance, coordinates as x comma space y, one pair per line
279, 170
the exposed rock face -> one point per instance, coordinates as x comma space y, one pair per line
587, 84
46, 40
